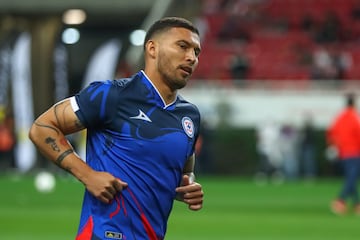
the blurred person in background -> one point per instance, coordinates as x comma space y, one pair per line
141, 139
204, 149
288, 143
239, 64
323, 67
7, 141
307, 149
268, 148
330, 30
355, 10
329, 62
344, 135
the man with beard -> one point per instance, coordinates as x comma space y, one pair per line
140, 140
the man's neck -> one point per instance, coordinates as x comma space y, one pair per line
166, 93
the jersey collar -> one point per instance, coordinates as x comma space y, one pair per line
150, 85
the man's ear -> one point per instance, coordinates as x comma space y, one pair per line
151, 48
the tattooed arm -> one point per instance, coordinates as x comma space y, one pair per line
48, 134
49, 130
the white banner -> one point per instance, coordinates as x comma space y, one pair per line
25, 153
102, 65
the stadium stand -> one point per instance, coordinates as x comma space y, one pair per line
279, 37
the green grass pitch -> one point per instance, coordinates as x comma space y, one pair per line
234, 208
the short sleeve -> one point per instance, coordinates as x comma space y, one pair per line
94, 104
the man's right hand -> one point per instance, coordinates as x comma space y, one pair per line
104, 186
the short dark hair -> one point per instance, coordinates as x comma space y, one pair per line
350, 99
166, 23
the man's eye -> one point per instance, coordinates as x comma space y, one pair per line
197, 52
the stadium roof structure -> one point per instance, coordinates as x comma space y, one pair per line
117, 7
110, 11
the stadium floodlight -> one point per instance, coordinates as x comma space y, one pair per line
70, 36
74, 16
137, 37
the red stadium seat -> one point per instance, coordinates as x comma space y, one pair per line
274, 54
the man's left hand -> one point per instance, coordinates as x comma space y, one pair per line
190, 193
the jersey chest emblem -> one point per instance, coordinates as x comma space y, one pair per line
188, 126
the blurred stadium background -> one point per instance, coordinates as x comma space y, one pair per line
268, 68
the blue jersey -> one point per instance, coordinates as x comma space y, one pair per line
133, 135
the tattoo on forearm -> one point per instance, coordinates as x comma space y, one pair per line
52, 143
62, 156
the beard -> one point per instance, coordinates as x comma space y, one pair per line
170, 73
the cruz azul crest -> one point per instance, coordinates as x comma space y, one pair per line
188, 126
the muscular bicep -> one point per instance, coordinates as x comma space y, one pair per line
61, 117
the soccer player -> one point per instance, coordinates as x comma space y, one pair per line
344, 135
140, 140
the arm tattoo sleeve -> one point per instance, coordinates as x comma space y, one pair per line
63, 155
